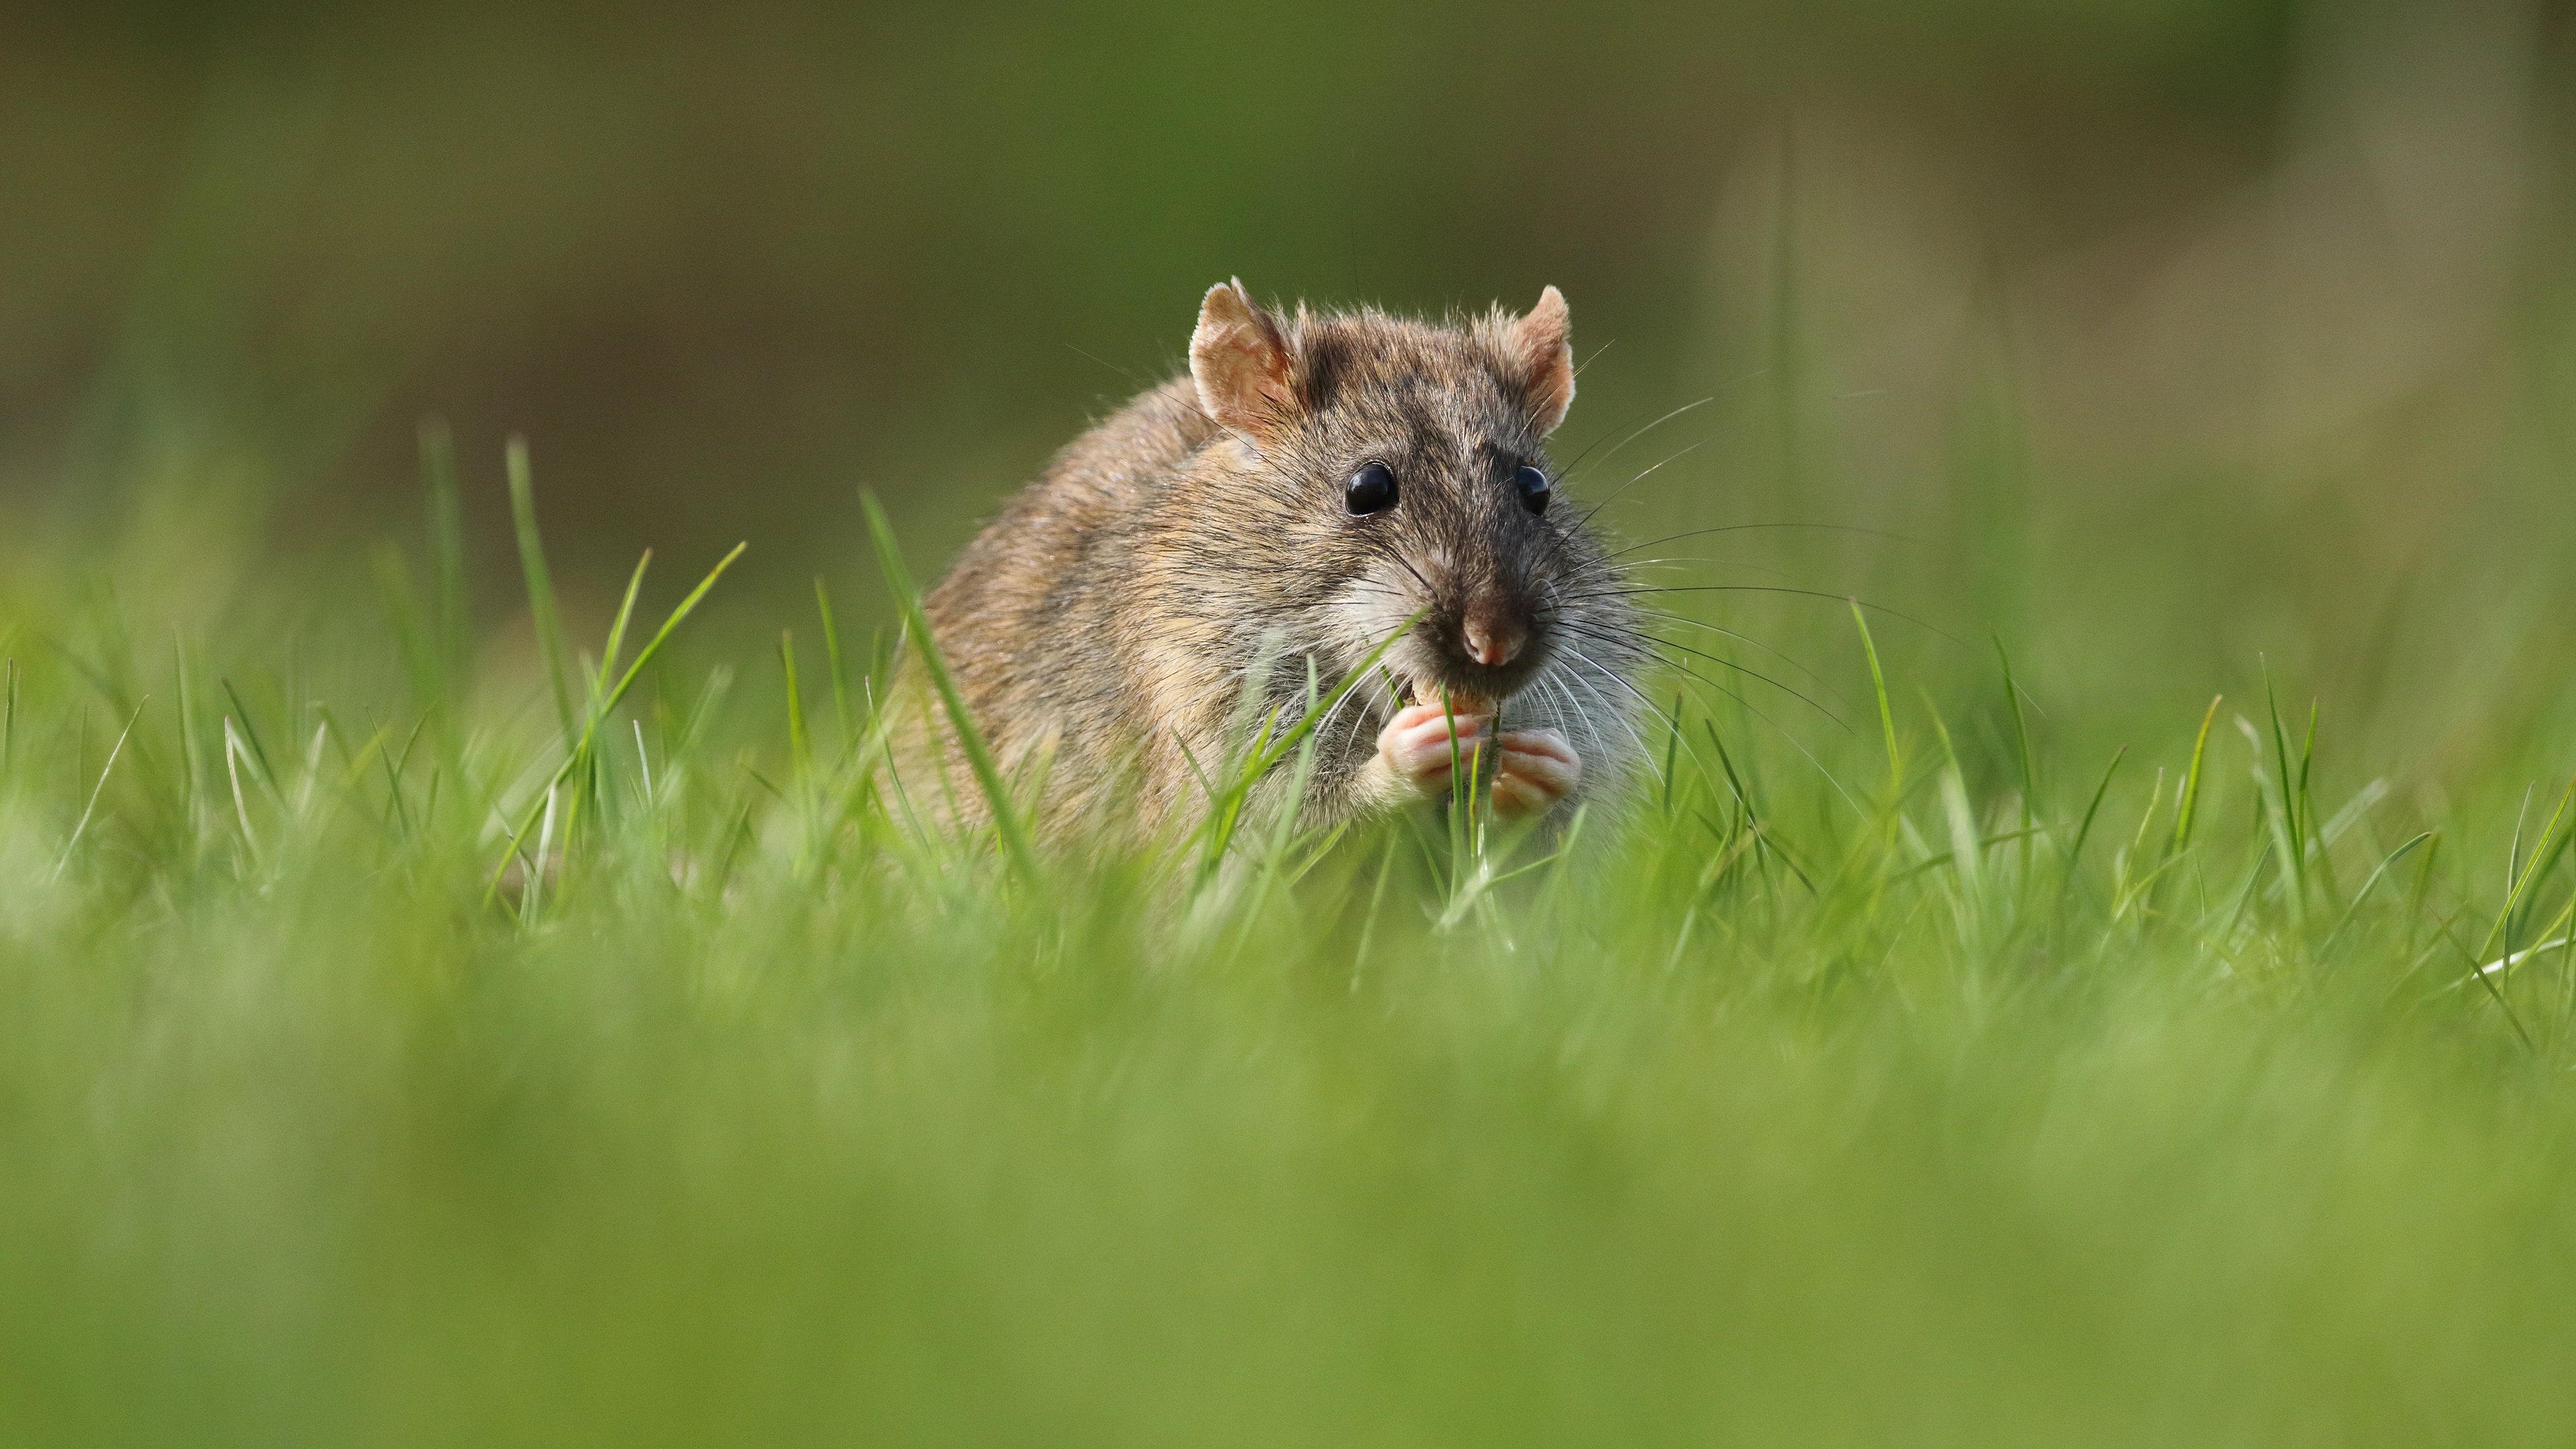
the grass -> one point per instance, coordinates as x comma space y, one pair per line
380, 1068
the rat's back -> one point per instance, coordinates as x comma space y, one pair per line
1037, 619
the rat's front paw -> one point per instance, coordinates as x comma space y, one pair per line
1416, 746
1538, 768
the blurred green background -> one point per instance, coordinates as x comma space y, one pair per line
2167, 341
2173, 333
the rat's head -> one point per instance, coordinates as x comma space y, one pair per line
1399, 472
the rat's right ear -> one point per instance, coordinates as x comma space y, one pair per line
1539, 343
1241, 363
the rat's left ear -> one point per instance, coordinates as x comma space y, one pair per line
1538, 343
1242, 365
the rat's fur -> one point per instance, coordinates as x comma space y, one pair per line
1118, 608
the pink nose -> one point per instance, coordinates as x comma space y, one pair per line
1492, 642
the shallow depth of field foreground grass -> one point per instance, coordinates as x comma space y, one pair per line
1956, 1085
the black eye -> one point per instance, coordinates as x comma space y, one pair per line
1535, 489
1371, 490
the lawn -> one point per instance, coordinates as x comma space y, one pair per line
393, 1051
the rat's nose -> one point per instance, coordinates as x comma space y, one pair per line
1493, 638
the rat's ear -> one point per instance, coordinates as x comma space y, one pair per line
1241, 363
1538, 343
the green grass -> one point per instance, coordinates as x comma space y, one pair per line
377, 1067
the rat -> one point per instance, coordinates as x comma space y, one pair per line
1314, 486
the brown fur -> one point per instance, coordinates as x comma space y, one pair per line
1119, 608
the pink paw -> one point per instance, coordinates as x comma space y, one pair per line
1538, 768
1416, 746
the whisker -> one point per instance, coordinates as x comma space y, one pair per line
1390, 551
1351, 736
1568, 470
1752, 643
1794, 743
1745, 527
1579, 657
1640, 478
1772, 589
1650, 640
1605, 570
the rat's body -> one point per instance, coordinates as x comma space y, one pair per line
1301, 494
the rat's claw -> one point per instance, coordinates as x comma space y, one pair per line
1537, 769
1417, 748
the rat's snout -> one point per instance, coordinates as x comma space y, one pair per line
1476, 639
1493, 633
1487, 647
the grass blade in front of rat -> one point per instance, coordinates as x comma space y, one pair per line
1016, 844
1215, 834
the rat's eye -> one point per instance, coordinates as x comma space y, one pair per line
1535, 489
1371, 490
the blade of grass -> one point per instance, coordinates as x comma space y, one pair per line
678, 616
578, 756
1886, 715
1767, 847
2541, 851
2123, 891
2021, 733
394, 766
2190, 808
832, 660
2287, 786
8, 715
1672, 748
1015, 838
532, 899
233, 751
250, 733
2084, 831
800, 749
191, 758
2307, 763
1462, 800
617, 628
644, 766
1218, 832
541, 588
2394, 856
91, 809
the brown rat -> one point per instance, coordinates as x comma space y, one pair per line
1309, 485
